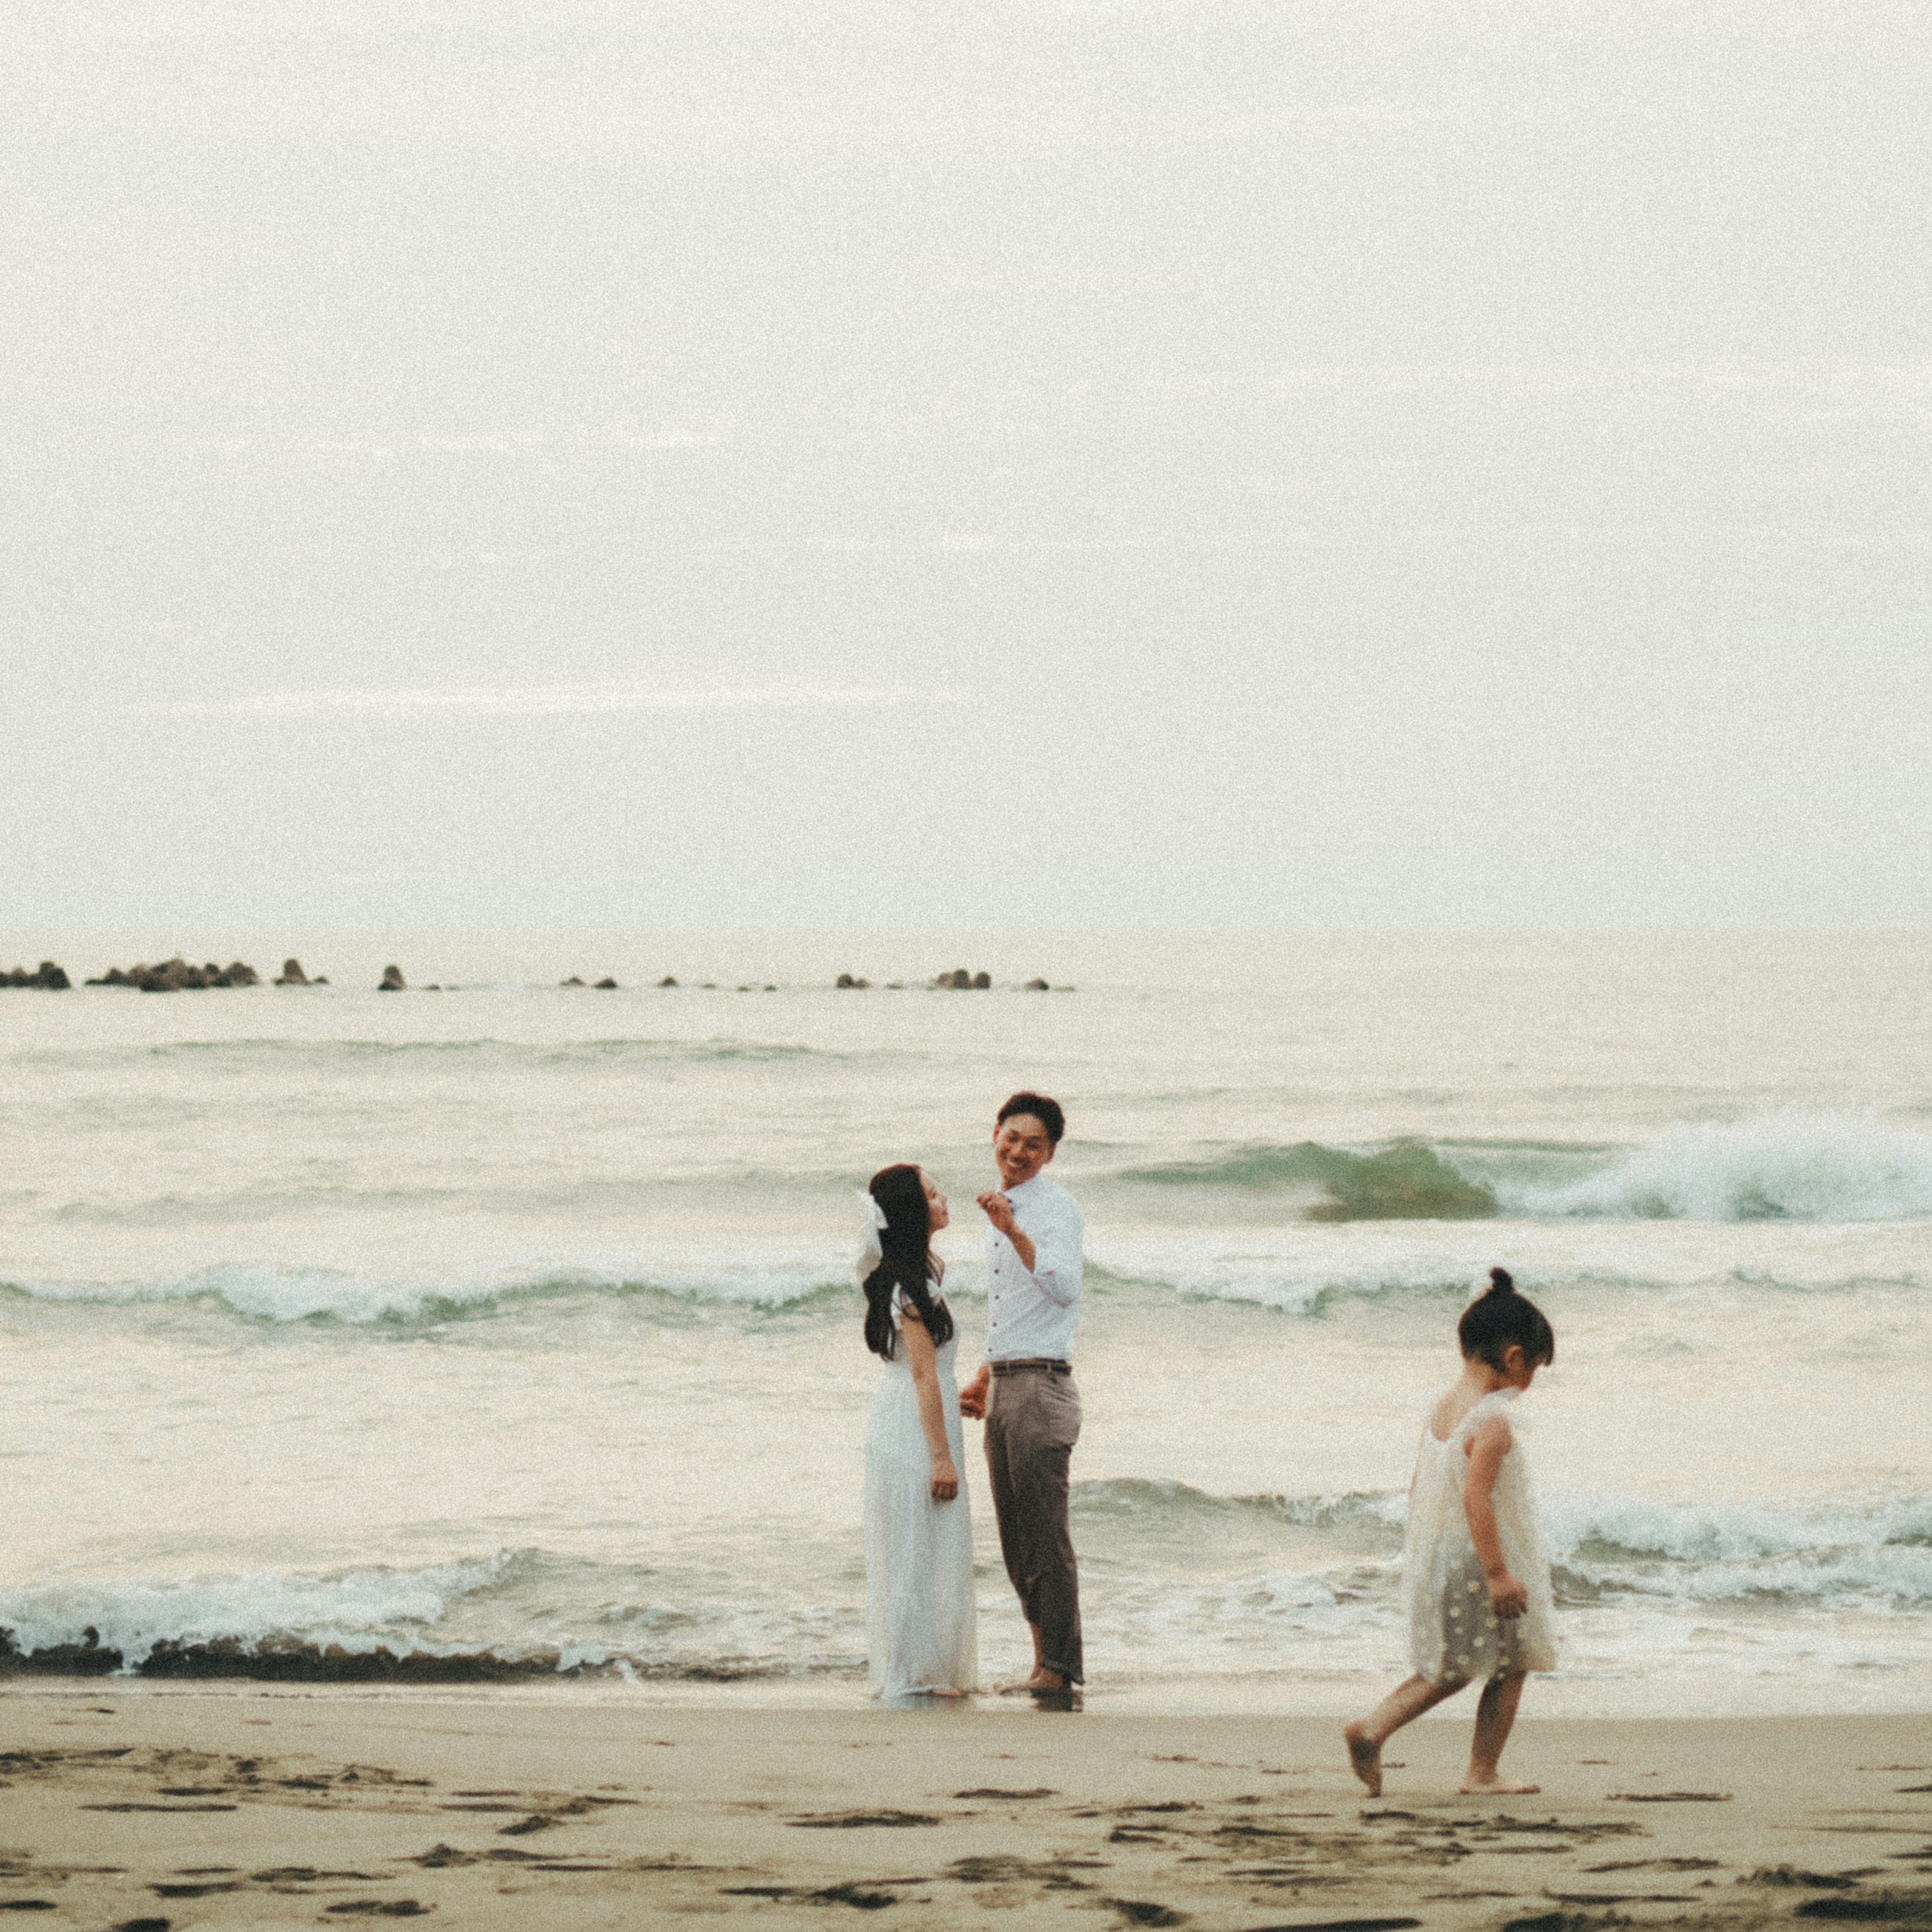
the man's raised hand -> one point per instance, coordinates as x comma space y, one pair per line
998, 1209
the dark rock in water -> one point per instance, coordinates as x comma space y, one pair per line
1036, 986
393, 981
238, 974
959, 981
982, 983
432, 987
292, 975
605, 985
48, 977
847, 982
171, 976
572, 981
320, 979
666, 981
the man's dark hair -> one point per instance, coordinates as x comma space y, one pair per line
1046, 1111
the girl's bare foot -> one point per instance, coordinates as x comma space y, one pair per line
944, 1690
1365, 1756
1496, 1786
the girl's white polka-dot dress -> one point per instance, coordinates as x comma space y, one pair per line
1454, 1635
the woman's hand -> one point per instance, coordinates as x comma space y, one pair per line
945, 1480
1507, 1598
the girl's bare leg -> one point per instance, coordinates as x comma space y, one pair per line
1494, 1715
1403, 1705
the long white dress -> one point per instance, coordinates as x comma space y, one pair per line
922, 1620
1454, 1635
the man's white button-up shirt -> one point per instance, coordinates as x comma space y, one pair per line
1030, 1312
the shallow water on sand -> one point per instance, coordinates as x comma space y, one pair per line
509, 1326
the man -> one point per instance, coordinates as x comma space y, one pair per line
1024, 1390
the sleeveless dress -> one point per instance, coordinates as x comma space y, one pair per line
1454, 1635
921, 1615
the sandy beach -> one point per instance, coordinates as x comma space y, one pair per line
266, 1809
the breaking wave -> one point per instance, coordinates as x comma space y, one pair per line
1879, 1555
1168, 1567
267, 1293
1408, 1181
1780, 1167
517, 1614
1604, 1547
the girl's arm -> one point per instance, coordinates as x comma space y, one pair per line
921, 1358
1486, 1449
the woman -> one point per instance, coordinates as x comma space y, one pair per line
919, 1533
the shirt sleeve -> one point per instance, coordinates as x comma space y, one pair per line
1057, 1261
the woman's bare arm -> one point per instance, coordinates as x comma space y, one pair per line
1485, 1451
923, 1358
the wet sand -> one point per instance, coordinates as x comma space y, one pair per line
266, 1810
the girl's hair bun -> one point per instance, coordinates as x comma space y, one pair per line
1499, 1319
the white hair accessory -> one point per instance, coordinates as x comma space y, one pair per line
870, 1253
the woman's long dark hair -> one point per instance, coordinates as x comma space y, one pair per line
906, 1241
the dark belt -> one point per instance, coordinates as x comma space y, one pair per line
1043, 1365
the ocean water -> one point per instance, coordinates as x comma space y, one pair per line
505, 1332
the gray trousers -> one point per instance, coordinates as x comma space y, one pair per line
1033, 1421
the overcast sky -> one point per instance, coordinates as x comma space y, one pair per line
1307, 463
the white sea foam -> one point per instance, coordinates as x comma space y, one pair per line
1730, 1532
1714, 1552
1822, 1555
355, 1610
1264, 1270
517, 1610
1786, 1166
1170, 1573
265, 1291
1428, 1268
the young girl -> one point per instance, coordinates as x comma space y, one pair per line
1475, 1570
